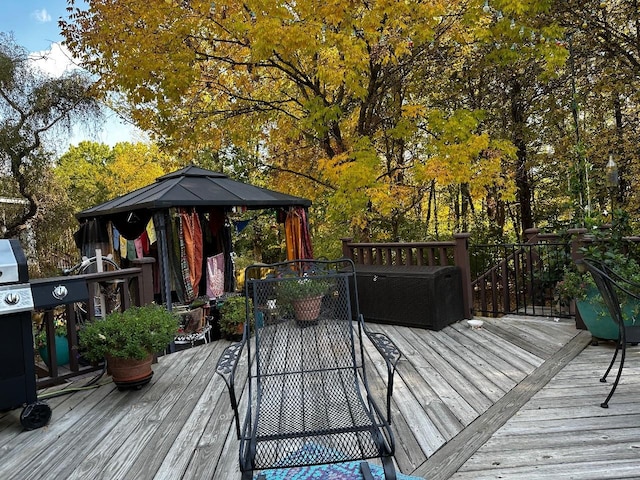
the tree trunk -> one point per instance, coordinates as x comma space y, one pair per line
523, 183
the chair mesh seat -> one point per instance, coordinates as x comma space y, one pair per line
341, 421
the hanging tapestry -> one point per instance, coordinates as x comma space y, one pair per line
215, 276
189, 294
192, 234
297, 234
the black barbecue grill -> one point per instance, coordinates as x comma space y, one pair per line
17, 365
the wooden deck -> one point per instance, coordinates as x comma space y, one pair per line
518, 398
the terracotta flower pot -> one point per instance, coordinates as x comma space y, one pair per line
128, 372
307, 310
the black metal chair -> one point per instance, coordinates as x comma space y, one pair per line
307, 397
610, 285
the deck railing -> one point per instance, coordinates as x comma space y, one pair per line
519, 278
496, 279
135, 287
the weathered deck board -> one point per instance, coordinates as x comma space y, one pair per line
563, 431
454, 388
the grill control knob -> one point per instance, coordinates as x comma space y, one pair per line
60, 292
12, 299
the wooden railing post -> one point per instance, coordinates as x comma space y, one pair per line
346, 250
531, 234
577, 242
145, 283
461, 259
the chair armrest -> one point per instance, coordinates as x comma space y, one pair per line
226, 368
391, 354
228, 361
385, 347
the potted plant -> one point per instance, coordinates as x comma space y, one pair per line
233, 314
610, 248
304, 296
61, 342
128, 340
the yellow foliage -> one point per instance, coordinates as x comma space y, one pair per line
332, 96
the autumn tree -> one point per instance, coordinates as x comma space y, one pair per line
33, 108
605, 40
92, 173
329, 94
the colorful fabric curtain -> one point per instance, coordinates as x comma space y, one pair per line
192, 234
297, 234
215, 276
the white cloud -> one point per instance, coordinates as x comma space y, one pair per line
58, 60
41, 16
55, 61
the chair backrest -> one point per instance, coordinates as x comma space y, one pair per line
607, 287
303, 317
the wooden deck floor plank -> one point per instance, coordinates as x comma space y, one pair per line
518, 359
515, 336
539, 430
434, 377
173, 441
163, 417
112, 457
544, 331
608, 470
467, 388
10, 426
479, 361
465, 366
409, 453
176, 456
416, 392
562, 425
91, 426
454, 454
107, 443
536, 336
559, 456
513, 351
208, 457
499, 444
467, 337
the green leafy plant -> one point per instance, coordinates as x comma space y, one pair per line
233, 313
134, 333
609, 247
300, 287
60, 327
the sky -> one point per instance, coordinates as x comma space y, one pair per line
34, 24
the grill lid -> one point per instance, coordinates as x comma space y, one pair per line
8, 263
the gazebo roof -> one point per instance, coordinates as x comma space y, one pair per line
194, 187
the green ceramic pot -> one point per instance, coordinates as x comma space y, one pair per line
62, 351
596, 315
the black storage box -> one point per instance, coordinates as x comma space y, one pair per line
413, 296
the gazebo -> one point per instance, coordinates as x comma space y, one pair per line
187, 198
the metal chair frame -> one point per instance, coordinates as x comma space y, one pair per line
308, 400
609, 284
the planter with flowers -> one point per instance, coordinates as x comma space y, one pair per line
303, 297
61, 342
128, 340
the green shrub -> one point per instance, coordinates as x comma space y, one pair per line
134, 333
